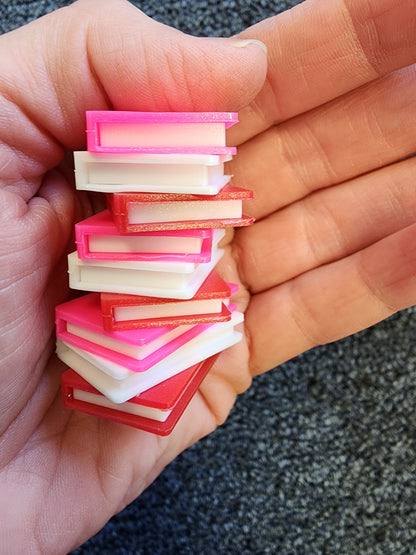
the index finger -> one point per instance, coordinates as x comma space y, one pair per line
322, 49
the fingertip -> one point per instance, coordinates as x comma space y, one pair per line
240, 71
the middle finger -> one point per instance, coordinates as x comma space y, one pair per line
364, 130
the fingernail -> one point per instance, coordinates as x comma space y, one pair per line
249, 42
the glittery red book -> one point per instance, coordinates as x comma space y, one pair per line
134, 212
122, 312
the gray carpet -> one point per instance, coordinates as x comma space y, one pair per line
318, 456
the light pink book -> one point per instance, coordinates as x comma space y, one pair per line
162, 132
79, 323
97, 238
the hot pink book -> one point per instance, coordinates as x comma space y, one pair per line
97, 238
136, 212
166, 401
79, 323
122, 312
159, 132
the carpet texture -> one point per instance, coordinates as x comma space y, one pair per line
318, 456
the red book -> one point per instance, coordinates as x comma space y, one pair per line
122, 312
156, 410
134, 212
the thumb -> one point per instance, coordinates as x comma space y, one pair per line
99, 55
160, 67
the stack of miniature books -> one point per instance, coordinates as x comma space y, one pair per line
157, 314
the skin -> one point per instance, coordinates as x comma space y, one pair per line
324, 142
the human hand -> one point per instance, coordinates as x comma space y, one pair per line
327, 149
63, 474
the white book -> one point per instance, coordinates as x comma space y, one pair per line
175, 280
158, 173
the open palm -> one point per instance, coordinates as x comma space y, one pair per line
324, 143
